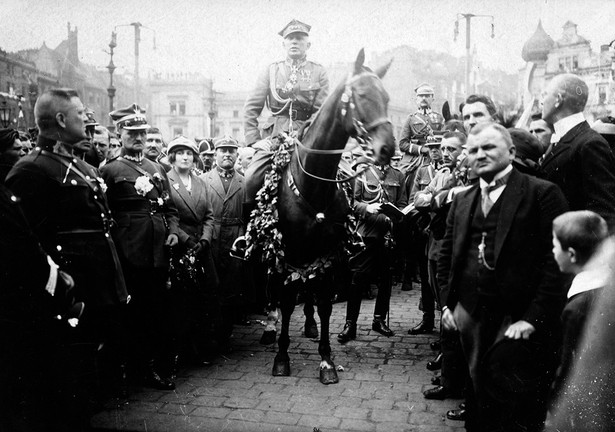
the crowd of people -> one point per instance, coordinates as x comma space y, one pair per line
117, 263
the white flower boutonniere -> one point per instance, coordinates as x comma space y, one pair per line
143, 185
103, 185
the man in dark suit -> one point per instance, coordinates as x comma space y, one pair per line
147, 225
498, 278
581, 162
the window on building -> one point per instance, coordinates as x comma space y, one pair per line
177, 107
602, 92
575, 63
235, 114
236, 133
177, 131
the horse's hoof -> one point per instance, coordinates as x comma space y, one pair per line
311, 330
281, 368
328, 376
267, 338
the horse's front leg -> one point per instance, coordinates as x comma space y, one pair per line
328, 374
281, 363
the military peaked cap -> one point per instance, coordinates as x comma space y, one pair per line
225, 141
424, 88
130, 118
295, 27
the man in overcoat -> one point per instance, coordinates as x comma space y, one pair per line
225, 187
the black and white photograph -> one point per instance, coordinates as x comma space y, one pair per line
307, 216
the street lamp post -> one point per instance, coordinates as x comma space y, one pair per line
137, 26
5, 115
468, 18
111, 67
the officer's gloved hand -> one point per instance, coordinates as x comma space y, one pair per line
66, 306
373, 208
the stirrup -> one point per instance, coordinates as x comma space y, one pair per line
238, 250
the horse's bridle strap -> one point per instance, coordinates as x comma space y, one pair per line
319, 151
378, 122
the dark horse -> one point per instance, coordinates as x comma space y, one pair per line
313, 208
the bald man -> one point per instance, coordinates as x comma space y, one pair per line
581, 162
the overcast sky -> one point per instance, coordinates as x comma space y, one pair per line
231, 40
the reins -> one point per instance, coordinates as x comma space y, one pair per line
359, 131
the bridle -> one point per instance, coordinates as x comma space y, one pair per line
356, 129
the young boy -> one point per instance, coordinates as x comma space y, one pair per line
577, 236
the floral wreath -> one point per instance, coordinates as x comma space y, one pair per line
263, 233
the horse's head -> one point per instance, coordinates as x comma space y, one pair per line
365, 110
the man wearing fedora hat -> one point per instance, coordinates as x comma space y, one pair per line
146, 227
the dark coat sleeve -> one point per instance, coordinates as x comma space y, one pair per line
598, 178
445, 259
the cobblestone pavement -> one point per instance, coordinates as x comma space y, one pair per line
380, 388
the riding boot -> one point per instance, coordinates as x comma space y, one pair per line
173, 367
378, 325
349, 332
153, 380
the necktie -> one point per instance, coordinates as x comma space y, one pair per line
486, 201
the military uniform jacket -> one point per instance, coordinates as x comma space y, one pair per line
276, 87
417, 128
196, 218
227, 207
143, 222
64, 202
366, 190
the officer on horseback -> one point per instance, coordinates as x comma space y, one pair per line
292, 89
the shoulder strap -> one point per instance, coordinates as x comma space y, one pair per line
74, 168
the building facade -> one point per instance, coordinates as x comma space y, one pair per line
27, 73
571, 53
180, 105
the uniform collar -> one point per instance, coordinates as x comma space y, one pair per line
137, 158
299, 63
225, 173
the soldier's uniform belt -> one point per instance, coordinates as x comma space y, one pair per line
133, 207
297, 114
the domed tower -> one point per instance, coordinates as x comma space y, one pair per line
535, 52
536, 49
